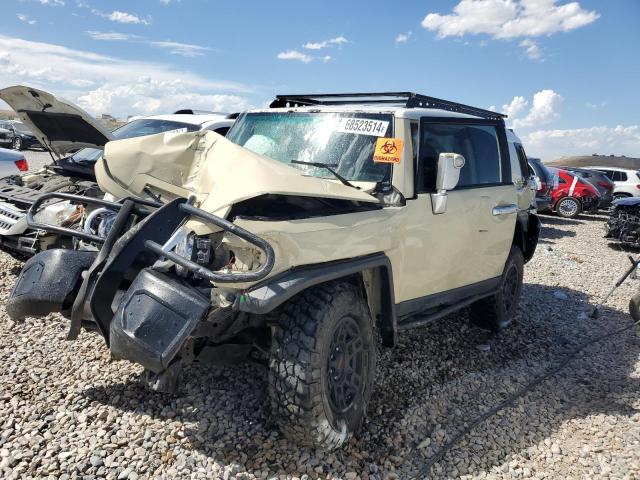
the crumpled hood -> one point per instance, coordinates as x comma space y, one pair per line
219, 172
57, 123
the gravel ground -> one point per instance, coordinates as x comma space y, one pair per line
68, 411
37, 159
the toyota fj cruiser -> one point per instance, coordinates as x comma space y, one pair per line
315, 228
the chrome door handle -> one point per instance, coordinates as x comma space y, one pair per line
504, 209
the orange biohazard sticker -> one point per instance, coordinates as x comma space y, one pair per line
388, 150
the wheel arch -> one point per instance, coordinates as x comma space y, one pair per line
372, 273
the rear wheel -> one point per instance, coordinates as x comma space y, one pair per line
17, 143
322, 365
496, 312
569, 207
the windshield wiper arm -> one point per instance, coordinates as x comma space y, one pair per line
330, 167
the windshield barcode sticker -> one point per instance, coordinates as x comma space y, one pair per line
363, 126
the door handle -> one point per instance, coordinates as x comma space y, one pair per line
504, 209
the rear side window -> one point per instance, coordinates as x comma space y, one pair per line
623, 176
522, 159
477, 143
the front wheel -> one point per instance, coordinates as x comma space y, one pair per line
497, 311
322, 365
17, 143
569, 207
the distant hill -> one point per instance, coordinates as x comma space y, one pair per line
597, 161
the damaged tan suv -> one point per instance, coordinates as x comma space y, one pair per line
316, 227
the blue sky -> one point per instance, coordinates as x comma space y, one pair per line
567, 72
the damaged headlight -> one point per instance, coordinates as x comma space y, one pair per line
62, 213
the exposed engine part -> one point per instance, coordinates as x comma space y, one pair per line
624, 223
105, 219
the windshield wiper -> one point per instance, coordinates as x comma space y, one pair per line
330, 167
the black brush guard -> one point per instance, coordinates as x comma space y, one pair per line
157, 312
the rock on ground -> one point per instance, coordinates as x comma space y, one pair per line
68, 411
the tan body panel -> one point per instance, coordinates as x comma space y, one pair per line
429, 253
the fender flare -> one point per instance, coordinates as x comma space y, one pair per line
266, 296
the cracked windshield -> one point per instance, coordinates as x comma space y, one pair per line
343, 142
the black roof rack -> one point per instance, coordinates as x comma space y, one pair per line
190, 111
406, 99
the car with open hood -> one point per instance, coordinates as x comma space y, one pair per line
76, 139
318, 226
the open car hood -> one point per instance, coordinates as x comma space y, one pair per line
218, 172
58, 124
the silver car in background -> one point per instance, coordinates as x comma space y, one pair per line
12, 163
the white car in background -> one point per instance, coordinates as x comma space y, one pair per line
77, 140
627, 181
12, 163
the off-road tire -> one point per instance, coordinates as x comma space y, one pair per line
17, 144
497, 311
568, 207
302, 394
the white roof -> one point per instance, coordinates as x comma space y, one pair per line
399, 112
193, 119
616, 169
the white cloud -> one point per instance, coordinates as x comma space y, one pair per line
403, 37
25, 19
53, 3
301, 57
146, 95
531, 48
122, 17
517, 105
332, 42
104, 84
183, 49
111, 36
175, 48
509, 18
596, 106
552, 144
295, 55
543, 110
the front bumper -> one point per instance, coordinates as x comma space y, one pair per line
144, 315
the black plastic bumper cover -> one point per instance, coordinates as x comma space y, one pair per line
154, 319
48, 283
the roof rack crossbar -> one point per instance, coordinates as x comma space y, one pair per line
408, 99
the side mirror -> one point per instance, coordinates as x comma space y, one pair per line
449, 166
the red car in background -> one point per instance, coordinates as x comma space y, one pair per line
572, 194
